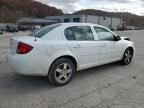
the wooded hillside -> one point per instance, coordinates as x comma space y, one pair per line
11, 10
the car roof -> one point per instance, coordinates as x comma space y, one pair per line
79, 24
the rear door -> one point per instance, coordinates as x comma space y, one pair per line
81, 42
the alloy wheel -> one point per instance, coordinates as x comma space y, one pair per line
128, 56
63, 72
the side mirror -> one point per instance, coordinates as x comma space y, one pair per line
117, 38
127, 38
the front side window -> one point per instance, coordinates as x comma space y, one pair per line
79, 33
103, 34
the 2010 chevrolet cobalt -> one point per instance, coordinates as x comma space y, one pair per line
59, 50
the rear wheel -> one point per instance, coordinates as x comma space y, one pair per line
127, 57
61, 72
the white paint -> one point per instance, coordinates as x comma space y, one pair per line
46, 50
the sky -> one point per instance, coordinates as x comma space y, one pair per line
70, 6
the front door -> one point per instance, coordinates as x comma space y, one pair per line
110, 49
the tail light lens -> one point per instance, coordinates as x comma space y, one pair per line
23, 48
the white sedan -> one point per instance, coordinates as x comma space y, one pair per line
59, 50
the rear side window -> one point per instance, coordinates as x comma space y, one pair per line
79, 33
69, 34
41, 32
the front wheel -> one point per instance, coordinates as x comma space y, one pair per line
127, 57
61, 72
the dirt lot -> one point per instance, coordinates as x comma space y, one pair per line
109, 86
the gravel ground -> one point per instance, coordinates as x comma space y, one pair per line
108, 86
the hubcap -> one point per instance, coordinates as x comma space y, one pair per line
128, 56
63, 72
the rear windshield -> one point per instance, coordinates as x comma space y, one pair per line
41, 32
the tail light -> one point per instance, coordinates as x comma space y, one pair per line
23, 48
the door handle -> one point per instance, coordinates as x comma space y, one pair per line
77, 46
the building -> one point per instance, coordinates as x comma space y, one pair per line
110, 22
113, 23
35, 21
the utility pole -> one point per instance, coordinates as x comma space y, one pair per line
99, 20
111, 21
86, 18
120, 23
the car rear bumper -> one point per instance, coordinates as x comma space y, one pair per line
35, 64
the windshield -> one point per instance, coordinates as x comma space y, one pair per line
41, 32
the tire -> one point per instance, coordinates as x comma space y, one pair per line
61, 72
127, 56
